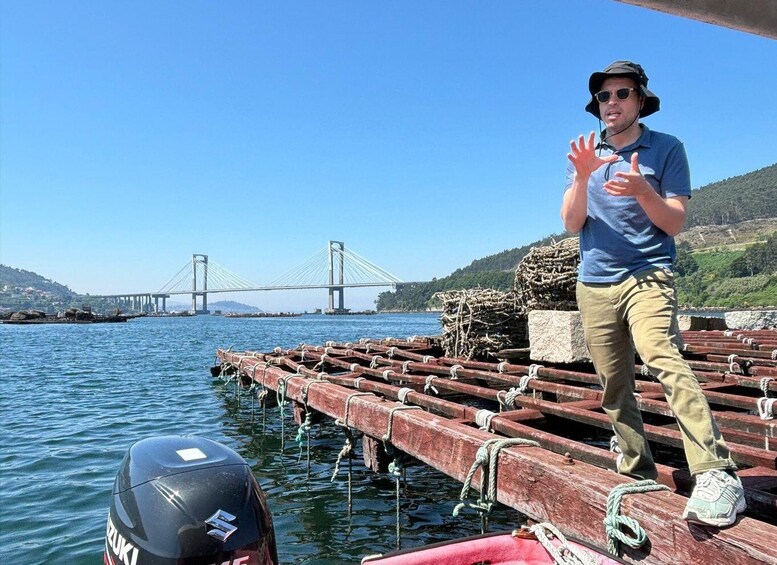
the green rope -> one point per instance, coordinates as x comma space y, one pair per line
280, 396
347, 449
488, 460
304, 427
614, 520
387, 437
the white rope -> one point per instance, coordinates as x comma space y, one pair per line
502, 367
429, 386
402, 394
728, 333
374, 362
387, 373
764, 384
357, 381
733, 366
454, 370
766, 408
523, 384
483, 419
352, 368
390, 352
367, 348
509, 397
534, 370
428, 359
774, 355
405, 367
564, 553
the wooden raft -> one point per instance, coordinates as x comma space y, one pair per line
568, 478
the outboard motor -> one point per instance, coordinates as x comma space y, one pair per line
186, 500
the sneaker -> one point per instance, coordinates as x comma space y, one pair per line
716, 499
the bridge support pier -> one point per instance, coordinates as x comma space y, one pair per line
336, 264
201, 261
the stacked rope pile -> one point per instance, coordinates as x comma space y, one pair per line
477, 323
546, 276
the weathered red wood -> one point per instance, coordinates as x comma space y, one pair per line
539, 484
740, 453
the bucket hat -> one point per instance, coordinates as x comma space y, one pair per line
621, 69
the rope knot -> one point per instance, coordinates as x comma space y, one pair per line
614, 520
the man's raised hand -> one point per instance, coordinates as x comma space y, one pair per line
584, 157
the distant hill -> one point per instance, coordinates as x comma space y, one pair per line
20, 279
231, 306
24, 290
737, 199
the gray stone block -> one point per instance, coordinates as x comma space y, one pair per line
752, 319
701, 323
557, 336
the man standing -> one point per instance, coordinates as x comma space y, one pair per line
627, 198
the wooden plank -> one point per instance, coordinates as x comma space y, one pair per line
536, 481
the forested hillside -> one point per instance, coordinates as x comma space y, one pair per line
746, 197
722, 270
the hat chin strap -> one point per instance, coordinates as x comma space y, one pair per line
631, 123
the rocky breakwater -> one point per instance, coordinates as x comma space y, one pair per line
69, 316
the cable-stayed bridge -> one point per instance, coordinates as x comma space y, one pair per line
334, 268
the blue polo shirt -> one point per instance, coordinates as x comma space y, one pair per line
618, 239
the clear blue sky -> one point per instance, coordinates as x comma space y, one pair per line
422, 134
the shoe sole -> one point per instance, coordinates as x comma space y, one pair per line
717, 522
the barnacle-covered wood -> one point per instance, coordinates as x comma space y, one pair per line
546, 276
477, 323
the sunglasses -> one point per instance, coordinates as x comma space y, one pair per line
621, 93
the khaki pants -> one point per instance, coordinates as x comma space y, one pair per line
641, 312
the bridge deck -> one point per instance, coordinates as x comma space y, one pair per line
567, 478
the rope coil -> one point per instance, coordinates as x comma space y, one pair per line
487, 456
614, 520
509, 397
483, 419
764, 384
402, 394
733, 366
766, 408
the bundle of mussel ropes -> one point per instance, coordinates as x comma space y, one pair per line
477, 323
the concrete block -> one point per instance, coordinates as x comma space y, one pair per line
752, 319
556, 336
701, 323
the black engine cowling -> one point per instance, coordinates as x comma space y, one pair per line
186, 500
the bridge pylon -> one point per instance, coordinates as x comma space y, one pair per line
200, 265
336, 266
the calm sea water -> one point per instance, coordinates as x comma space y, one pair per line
74, 398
